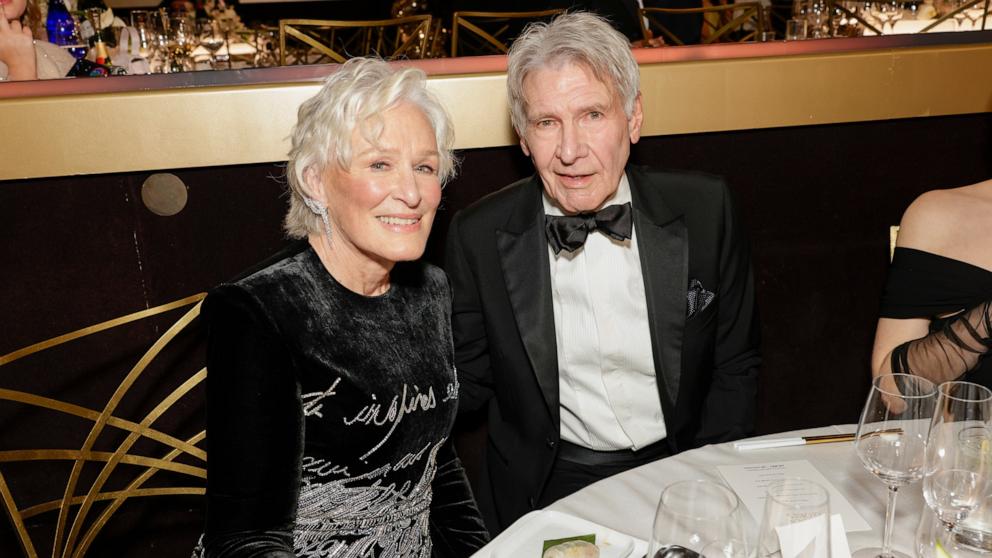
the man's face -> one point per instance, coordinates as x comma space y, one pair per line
577, 135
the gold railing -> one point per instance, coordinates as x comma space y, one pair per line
336, 41
75, 529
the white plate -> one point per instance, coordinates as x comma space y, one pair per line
525, 538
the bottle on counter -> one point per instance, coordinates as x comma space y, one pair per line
60, 25
97, 21
98, 47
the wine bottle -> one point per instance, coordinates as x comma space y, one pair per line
102, 56
101, 25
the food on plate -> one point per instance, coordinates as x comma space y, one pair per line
572, 549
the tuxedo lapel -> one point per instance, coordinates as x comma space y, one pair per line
662, 240
523, 252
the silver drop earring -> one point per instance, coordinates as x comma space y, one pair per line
319, 209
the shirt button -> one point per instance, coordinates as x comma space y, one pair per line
551, 443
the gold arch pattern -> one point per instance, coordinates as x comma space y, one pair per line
73, 535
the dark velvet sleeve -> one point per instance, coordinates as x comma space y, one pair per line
730, 407
951, 351
457, 529
475, 375
254, 432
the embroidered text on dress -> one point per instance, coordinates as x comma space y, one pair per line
348, 518
323, 467
410, 458
399, 407
450, 392
312, 401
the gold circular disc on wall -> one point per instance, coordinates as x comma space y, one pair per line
164, 194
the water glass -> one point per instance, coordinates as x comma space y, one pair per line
933, 540
795, 29
958, 464
698, 517
797, 516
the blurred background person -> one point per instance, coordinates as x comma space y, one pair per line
24, 52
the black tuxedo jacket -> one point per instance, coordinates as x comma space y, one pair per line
505, 352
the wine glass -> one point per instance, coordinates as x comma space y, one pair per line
975, 14
895, 13
962, 13
181, 39
891, 441
698, 517
795, 502
887, 12
958, 466
211, 39
934, 541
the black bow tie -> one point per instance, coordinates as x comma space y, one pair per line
569, 232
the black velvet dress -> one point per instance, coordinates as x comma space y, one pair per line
328, 415
926, 285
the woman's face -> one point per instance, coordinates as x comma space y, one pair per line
13, 9
382, 207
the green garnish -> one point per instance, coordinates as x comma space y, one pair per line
591, 539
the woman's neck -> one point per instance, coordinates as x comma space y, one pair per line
356, 272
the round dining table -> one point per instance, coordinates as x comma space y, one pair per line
626, 502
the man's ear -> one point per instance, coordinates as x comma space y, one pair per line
523, 146
635, 120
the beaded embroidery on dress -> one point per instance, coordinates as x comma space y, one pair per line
328, 418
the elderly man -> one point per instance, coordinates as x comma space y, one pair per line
604, 312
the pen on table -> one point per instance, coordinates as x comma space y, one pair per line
786, 442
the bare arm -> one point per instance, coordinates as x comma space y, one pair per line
891, 333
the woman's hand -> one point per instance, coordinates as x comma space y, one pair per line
16, 49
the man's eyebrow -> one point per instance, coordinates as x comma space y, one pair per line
597, 106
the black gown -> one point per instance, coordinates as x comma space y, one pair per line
328, 415
926, 285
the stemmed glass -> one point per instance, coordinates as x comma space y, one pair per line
962, 14
211, 39
887, 12
975, 14
181, 39
958, 464
891, 441
698, 517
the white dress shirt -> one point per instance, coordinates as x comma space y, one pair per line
606, 380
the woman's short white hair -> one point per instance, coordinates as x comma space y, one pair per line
572, 38
355, 95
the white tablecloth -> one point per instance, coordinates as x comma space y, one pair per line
626, 502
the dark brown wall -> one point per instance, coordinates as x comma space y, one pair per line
818, 202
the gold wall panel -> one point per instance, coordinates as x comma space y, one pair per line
210, 126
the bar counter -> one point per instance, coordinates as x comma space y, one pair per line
203, 119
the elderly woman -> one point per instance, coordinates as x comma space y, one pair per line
332, 388
22, 57
936, 311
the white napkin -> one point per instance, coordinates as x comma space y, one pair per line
796, 539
